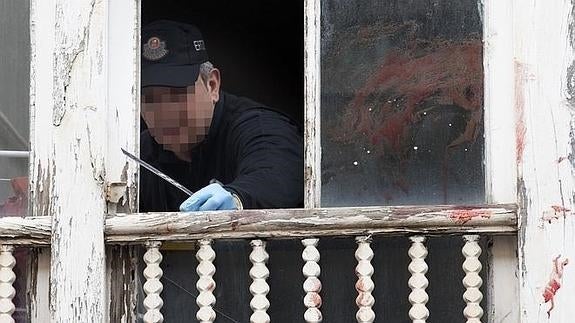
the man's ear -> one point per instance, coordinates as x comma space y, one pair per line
213, 85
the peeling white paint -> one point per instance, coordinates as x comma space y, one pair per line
76, 129
543, 56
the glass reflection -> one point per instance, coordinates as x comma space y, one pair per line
402, 103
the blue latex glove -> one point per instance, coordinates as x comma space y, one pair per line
210, 198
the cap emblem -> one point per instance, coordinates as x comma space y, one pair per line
154, 49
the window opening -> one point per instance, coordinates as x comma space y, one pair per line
258, 48
14, 129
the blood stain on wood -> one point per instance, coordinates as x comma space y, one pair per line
554, 283
555, 212
462, 216
520, 130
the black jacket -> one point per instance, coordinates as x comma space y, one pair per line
255, 152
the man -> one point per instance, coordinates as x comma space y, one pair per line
232, 152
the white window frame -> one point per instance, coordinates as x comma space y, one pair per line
84, 107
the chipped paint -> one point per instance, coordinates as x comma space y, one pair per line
544, 85
554, 283
520, 130
556, 212
463, 216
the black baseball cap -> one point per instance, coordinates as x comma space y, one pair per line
172, 53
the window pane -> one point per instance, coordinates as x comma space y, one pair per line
402, 102
14, 106
14, 128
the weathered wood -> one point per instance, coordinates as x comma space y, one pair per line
311, 222
26, 231
544, 38
70, 122
312, 135
123, 132
500, 160
280, 223
38, 285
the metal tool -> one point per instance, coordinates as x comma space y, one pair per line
158, 172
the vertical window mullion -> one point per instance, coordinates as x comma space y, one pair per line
312, 132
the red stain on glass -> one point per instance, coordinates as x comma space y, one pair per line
16, 205
408, 84
554, 282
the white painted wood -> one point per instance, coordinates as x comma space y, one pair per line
7, 278
472, 281
123, 119
123, 122
500, 160
153, 286
42, 20
206, 283
39, 286
418, 282
84, 109
312, 134
544, 53
502, 293
259, 287
364, 284
312, 285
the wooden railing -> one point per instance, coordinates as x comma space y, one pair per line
151, 229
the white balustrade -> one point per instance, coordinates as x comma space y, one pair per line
365, 284
472, 281
153, 287
259, 287
206, 283
7, 278
312, 284
418, 282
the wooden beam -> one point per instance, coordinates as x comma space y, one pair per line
312, 135
544, 38
280, 223
70, 167
310, 222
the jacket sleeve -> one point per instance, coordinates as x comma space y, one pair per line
268, 153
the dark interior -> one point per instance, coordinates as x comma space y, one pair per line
257, 45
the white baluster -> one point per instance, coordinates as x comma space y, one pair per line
7, 278
153, 287
418, 282
312, 284
364, 285
472, 281
259, 287
206, 284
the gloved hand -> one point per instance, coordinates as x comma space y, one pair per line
210, 198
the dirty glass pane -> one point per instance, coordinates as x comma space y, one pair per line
402, 102
14, 127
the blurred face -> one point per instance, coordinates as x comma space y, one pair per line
178, 117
